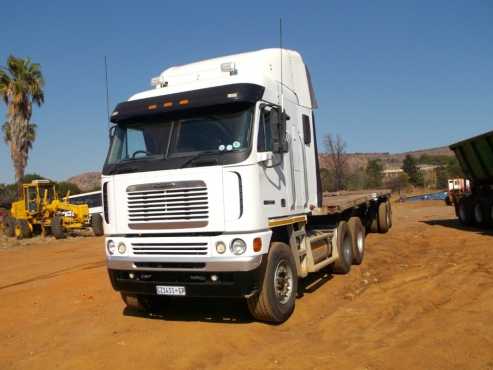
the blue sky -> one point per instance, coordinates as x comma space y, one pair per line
390, 76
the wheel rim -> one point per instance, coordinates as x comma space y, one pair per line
18, 231
360, 242
283, 281
478, 213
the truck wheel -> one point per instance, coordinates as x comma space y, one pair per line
9, 226
479, 217
383, 218
372, 225
357, 231
464, 212
57, 228
276, 299
344, 245
22, 229
97, 224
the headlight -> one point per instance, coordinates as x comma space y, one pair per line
238, 246
110, 247
122, 248
220, 247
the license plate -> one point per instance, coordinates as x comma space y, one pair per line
170, 290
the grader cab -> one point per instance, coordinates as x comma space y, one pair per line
41, 211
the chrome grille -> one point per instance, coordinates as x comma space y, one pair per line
168, 204
170, 249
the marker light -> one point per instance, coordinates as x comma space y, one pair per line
238, 246
110, 247
257, 244
168, 104
152, 106
184, 102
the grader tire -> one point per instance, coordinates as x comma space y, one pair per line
22, 229
97, 224
9, 226
57, 228
276, 299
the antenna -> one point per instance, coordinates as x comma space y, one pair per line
107, 91
280, 48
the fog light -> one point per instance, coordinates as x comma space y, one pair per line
122, 248
238, 246
220, 247
214, 278
110, 247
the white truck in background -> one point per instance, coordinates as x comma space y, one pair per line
211, 188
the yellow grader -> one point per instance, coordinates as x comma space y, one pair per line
41, 211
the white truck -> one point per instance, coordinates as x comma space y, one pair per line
211, 188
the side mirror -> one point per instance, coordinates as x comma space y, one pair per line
278, 128
111, 131
264, 157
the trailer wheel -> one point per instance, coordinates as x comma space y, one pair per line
357, 231
57, 228
22, 229
97, 224
344, 245
389, 213
383, 218
9, 226
276, 299
464, 212
372, 224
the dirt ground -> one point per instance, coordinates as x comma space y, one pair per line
422, 299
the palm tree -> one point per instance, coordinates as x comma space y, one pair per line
21, 85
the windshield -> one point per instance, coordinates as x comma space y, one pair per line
221, 130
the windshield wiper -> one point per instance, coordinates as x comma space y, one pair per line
198, 155
122, 169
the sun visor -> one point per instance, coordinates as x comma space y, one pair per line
158, 105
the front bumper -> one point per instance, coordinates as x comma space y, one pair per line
197, 284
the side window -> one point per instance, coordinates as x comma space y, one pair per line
135, 144
307, 134
264, 143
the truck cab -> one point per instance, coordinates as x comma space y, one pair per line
205, 173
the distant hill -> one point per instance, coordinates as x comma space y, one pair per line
91, 180
390, 160
87, 181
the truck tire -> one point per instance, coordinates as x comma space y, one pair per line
22, 229
389, 212
357, 231
372, 224
9, 226
57, 228
97, 224
344, 245
479, 214
276, 299
383, 218
464, 212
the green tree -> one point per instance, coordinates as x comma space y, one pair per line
374, 173
409, 166
21, 85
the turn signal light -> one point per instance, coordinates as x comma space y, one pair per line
257, 244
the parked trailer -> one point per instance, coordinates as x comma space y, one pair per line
474, 206
211, 188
